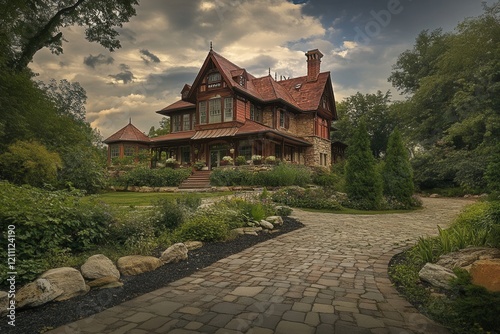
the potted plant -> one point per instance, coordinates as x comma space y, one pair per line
240, 160
198, 165
171, 163
271, 160
257, 159
226, 160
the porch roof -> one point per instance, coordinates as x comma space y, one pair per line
215, 133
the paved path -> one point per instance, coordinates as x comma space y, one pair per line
329, 277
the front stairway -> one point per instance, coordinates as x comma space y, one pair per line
198, 180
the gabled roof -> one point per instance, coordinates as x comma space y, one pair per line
174, 136
128, 133
298, 93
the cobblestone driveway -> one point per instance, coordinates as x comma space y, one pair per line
329, 277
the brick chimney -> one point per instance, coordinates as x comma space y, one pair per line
313, 64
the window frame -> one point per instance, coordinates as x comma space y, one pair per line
215, 110
228, 109
202, 109
186, 122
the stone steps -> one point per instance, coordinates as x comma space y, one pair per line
197, 180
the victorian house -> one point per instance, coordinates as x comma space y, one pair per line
227, 111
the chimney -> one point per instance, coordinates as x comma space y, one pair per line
313, 64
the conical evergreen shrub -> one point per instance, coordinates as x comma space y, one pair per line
397, 174
363, 182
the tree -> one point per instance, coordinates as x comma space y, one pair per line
452, 112
397, 174
30, 163
30, 25
164, 128
374, 110
69, 97
363, 183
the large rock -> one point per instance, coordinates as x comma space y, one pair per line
137, 264
465, 257
98, 266
275, 220
265, 224
436, 275
486, 273
4, 302
103, 282
37, 293
175, 253
67, 279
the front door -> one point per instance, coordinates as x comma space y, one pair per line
217, 152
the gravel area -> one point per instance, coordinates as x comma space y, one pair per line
55, 314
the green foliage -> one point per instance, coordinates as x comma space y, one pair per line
84, 169
159, 177
317, 198
280, 175
397, 174
333, 178
50, 221
492, 175
451, 114
169, 214
363, 182
240, 161
29, 163
202, 228
163, 129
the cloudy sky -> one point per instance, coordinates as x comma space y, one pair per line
164, 46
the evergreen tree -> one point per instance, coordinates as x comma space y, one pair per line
397, 174
363, 183
493, 175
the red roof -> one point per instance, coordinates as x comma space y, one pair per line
307, 94
175, 136
128, 133
179, 105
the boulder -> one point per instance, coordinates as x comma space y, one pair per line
191, 245
486, 273
434, 196
275, 220
102, 281
37, 293
137, 264
98, 266
238, 231
67, 279
265, 224
436, 275
4, 302
175, 253
465, 257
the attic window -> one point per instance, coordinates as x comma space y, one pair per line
242, 81
214, 80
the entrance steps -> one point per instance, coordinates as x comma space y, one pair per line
198, 180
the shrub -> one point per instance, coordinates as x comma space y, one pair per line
169, 214
159, 177
29, 163
270, 160
228, 160
397, 173
202, 228
363, 183
224, 177
492, 175
54, 221
317, 198
240, 160
283, 175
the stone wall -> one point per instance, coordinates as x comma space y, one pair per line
313, 154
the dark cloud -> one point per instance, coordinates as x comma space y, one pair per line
100, 59
126, 76
148, 56
260, 64
170, 81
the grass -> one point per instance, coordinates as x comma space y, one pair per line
124, 198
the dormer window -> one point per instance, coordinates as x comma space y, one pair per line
242, 81
214, 80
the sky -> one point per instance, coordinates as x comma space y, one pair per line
165, 44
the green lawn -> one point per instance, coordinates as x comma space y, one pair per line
143, 199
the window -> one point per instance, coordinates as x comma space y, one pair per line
193, 122
203, 112
255, 113
228, 109
215, 111
242, 81
214, 80
284, 119
278, 153
176, 123
245, 149
129, 151
186, 122
115, 151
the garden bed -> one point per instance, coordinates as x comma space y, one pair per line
55, 314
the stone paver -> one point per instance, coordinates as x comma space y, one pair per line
328, 277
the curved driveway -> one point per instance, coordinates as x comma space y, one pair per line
329, 277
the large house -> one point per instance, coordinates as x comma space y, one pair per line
229, 112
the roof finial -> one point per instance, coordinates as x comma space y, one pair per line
211, 47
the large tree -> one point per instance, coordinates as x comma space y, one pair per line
28, 26
452, 111
374, 110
